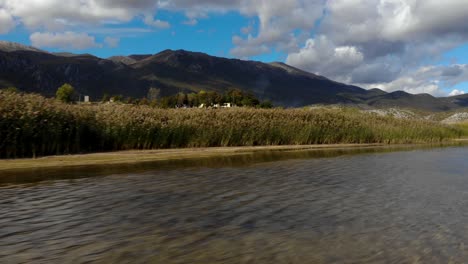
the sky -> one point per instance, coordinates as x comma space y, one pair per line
419, 46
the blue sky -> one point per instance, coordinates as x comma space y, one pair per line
412, 45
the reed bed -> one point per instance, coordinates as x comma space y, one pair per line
32, 126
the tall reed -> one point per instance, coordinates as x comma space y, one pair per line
31, 126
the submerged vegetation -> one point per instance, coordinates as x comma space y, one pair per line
31, 126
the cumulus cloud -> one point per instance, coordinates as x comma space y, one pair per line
397, 40
6, 21
456, 92
427, 79
394, 20
279, 23
412, 85
66, 41
199, 8
56, 14
321, 53
386, 43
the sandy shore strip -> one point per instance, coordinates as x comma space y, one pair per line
133, 157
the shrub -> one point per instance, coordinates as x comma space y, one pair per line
65, 93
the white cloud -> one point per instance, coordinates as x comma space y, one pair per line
394, 20
455, 92
365, 42
411, 85
278, 20
112, 42
199, 8
427, 79
321, 56
6, 21
66, 41
150, 21
279, 23
61, 15
396, 38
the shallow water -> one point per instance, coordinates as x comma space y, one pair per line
294, 207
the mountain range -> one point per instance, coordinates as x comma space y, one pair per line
34, 70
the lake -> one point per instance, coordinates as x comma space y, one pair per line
348, 206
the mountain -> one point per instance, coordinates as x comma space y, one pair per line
129, 59
12, 46
193, 71
34, 70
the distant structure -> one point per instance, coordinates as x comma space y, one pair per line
228, 105
86, 98
225, 105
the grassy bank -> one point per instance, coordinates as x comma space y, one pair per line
32, 126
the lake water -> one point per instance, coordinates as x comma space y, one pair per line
363, 206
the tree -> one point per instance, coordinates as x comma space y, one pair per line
220, 99
211, 98
266, 104
203, 98
235, 96
250, 100
65, 93
169, 101
192, 99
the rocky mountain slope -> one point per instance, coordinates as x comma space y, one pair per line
34, 70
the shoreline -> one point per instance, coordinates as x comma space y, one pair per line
129, 157
142, 156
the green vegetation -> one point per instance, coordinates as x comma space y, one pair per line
234, 96
462, 126
65, 93
31, 126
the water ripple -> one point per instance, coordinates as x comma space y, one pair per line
376, 208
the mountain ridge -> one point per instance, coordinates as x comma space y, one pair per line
172, 71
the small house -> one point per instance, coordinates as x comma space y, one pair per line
228, 105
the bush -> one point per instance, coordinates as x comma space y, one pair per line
65, 93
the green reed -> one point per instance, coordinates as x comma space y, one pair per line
32, 126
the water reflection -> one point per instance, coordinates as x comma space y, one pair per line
43, 174
391, 207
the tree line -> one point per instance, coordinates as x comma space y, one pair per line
235, 97
203, 98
